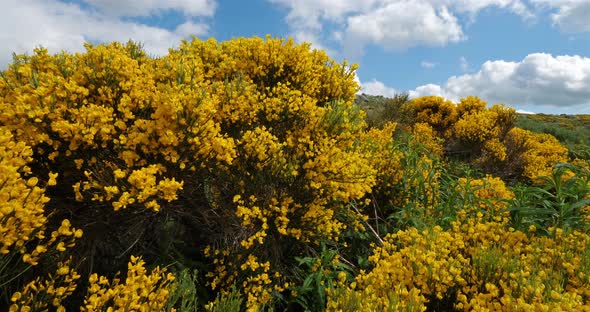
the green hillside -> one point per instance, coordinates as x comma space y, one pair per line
571, 130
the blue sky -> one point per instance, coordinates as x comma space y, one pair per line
533, 55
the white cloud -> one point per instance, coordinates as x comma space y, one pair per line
316, 43
306, 20
391, 24
66, 26
538, 80
427, 64
474, 6
311, 14
402, 25
570, 16
428, 89
151, 7
375, 87
189, 28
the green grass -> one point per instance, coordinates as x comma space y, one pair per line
571, 130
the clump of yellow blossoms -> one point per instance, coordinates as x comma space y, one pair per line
23, 218
424, 134
24, 230
435, 111
22, 214
539, 154
479, 263
141, 291
490, 196
484, 136
404, 171
40, 293
253, 138
297, 158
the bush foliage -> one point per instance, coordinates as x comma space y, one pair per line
240, 175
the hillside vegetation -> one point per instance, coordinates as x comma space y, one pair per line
242, 176
571, 130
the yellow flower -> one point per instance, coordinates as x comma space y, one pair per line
52, 179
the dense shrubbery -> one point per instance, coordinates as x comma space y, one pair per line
245, 169
471, 132
572, 130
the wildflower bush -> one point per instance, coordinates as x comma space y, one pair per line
485, 137
534, 154
240, 175
479, 262
26, 231
245, 145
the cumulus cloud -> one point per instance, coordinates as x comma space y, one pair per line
60, 26
316, 42
540, 79
307, 20
375, 87
400, 25
391, 24
572, 16
428, 89
190, 28
311, 14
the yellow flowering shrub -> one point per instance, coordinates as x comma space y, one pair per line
505, 117
379, 144
73, 108
534, 153
512, 271
424, 134
468, 131
141, 291
411, 268
24, 227
297, 159
435, 111
490, 194
305, 179
475, 265
248, 154
42, 293
478, 126
493, 150
470, 104
485, 137
481, 131
396, 298
22, 215
251, 138
478, 263
407, 185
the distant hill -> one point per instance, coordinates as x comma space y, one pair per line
380, 109
571, 130
373, 105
